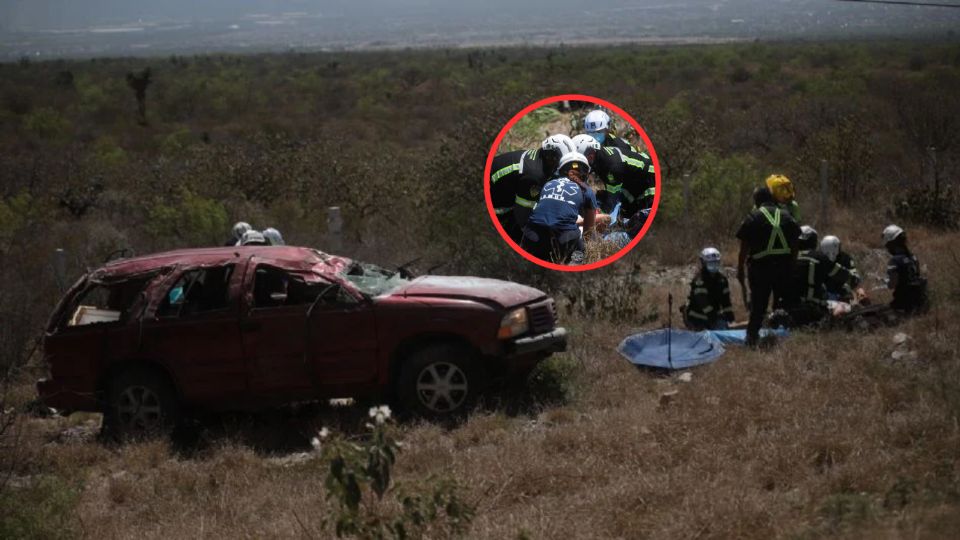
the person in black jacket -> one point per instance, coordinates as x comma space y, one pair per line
813, 270
708, 305
629, 178
903, 273
517, 177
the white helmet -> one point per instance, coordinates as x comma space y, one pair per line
710, 257
583, 143
273, 236
830, 246
891, 233
571, 157
239, 228
807, 232
596, 121
253, 238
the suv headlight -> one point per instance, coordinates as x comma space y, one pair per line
514, 323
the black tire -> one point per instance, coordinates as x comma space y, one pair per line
441, 381
141, 403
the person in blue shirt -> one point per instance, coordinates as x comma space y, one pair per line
552, 233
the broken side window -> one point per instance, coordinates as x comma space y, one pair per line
200, 290
102, 303
274, 287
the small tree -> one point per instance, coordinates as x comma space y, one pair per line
139, 82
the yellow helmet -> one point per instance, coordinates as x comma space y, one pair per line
781, 188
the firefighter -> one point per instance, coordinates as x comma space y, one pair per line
851, 292
273, 236
813, 270
239, 228
253, 238
903, 273
597, 125
783, 193
517, 177
551, 233
708, 305
768, 245
629, 178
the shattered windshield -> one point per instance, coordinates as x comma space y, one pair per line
373, 280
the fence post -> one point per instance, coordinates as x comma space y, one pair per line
60, 269
686, 194
824, 217
334, 230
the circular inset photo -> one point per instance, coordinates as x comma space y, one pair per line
572, 182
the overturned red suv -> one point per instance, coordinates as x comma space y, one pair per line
146, 339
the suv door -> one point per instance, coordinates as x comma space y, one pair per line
195, 332
342, 342
274, 329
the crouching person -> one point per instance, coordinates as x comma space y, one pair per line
903, 273
551, 233
813, 271
708, 306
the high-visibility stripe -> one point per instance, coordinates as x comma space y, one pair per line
526, 203
701, 291
628, 196
650, 192
708, 309
696, 315
634, 162
613, 188
726, 310
503, 172
776, 234
501, 211
650, 169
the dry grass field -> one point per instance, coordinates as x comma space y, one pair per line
825, 435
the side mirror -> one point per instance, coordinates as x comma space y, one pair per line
278, 297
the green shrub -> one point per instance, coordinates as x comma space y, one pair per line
194, 220
42, 509
553, 381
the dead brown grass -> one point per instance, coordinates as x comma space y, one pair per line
823, 436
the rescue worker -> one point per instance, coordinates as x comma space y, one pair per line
517, 177
252, 238
768, 246
806, 301
551, 233
597, 125
850, 292
903, 273
239, 228
708, 305
273, 236
783, 193
629, 178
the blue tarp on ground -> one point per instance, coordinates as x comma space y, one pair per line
739, 337
686, 348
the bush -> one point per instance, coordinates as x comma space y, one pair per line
42, 509
553, 381
194, 220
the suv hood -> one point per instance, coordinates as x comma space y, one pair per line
504, 293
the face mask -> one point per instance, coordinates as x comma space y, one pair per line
713, 266
599, 136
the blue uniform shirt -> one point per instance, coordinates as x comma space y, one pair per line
561, 201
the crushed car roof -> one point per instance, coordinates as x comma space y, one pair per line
288, 257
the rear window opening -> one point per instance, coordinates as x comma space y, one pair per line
198, 291
104, 303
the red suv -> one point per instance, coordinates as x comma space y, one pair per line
240, 328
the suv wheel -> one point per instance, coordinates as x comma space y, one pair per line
141, 403
441, 380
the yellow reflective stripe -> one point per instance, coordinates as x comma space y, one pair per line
650, 169
776, 234
634, 163
650, 192
811, 276
501, 211
836, 268
504, 171
708, 309
613, 188
726, 310
608, 150
696, 315
526, 203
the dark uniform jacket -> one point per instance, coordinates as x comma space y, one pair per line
910, 293
812, 271
612, 141
770, 233
709, 301
630, 174
845, 290
515, 181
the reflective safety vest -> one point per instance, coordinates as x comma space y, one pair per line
776, 236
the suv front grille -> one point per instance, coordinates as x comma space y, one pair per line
543, 316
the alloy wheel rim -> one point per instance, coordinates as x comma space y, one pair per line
442, 387
139, 409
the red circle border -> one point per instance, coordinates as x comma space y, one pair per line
527, 110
